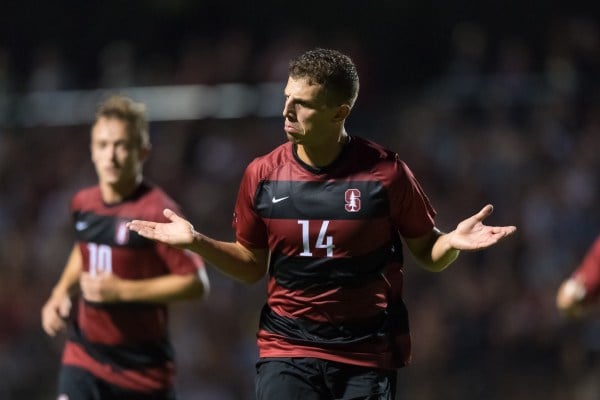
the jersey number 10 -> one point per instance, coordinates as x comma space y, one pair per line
100, 259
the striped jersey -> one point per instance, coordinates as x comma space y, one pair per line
335, 267
125, 344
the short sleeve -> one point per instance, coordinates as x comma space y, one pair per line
250, 229
411, 210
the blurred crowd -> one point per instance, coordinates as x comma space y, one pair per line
501, 123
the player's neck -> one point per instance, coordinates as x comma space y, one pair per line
116, 193
324, 154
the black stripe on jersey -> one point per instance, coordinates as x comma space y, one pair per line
321, 274
102, 229
301, 330
319, 200
133, 356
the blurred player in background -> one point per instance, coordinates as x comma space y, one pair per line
579, 292
118, 344
324, 214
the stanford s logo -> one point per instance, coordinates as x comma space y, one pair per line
122, 233
352, 198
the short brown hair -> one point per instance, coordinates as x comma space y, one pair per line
333, 70
132, 112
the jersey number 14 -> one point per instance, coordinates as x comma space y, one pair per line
323, 241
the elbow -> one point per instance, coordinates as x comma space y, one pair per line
200, 291
196, 286
439, 265
201, 288
194, 291
251, 278
435, 269
432, 266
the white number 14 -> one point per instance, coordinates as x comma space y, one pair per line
323, 242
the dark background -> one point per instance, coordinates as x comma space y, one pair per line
488, 102
410, 40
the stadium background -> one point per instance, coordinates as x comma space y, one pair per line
489, 102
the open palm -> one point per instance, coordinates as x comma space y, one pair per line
179, 232
472, 234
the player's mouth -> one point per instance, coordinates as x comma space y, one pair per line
111, 170
289, 128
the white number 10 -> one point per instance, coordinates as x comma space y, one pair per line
323, 242
100, 259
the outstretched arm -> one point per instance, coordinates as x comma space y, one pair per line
231, 258
436, 250
578, 295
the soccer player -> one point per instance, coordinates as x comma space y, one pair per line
579, 292
324, 215
118, 344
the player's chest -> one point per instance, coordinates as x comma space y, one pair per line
109, 230
327, 218
333, 199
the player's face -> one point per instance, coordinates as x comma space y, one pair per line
308, 117
117, 158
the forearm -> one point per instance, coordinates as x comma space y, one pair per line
231, 258
68, 282
433, 252
163, 289
442, 253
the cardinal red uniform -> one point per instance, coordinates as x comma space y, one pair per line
588, 273
124, 344
335, 271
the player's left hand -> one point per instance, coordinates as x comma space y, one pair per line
472, 234
102, 288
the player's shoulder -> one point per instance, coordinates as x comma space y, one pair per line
153, 199
263, 165
88, 195
373, 153
155, 193
382, 163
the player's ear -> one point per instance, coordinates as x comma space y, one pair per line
342, 113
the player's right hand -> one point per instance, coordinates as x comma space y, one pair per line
55, 313
178, 232
570, 296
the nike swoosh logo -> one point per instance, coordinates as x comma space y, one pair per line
81, 225
277, 200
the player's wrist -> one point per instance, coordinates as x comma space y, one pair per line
124, 290
198, 240
446, 245
60, 292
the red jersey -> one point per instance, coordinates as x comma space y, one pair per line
589, 271
126, 344
335, 267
